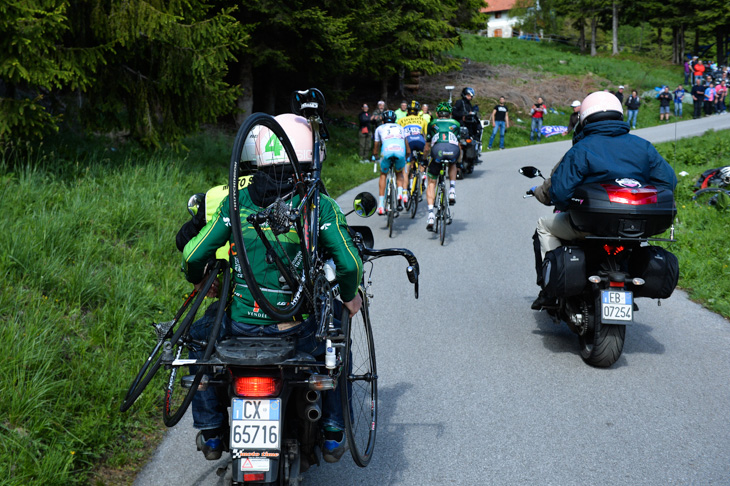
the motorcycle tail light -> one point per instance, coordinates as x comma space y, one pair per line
615, 284
468, 140
634, 196
256, 386
254, 477
613, 250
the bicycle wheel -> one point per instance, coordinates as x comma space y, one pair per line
414, 187
177, 398
360, 393
268, 239
712, 196
391, 204
166, 332
443, 208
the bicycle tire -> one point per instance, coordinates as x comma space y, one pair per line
152, 364
262, 137
392, 204
415, 189
442, 214
175, 404
360, 391
709, 195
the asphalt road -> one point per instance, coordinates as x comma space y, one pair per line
475, 388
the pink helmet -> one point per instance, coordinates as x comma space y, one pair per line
600, 105
263, 148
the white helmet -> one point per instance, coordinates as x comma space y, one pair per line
263, 148
600, 105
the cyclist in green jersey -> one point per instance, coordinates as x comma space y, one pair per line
442, 144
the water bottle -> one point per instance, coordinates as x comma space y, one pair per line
330, 360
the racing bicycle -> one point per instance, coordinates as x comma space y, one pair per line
441, 203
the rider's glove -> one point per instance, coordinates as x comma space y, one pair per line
372, 157
408, 159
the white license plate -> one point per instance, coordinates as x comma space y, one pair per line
617, 306
255, 424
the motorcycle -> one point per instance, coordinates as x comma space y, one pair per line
470, 139
594, 281
276, 392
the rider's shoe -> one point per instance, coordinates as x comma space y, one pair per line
430, 222
400, 204
543, 301
334, 444
405, 199
212, 448
452, 196
381, 210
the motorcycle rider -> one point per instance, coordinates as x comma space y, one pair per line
603, 149
392, 138
461, 109
444, 144
243, 318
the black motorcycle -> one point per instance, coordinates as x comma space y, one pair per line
594, 281
470, 140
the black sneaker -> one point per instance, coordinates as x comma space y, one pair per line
212, 448
543, 301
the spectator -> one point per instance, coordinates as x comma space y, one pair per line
537, 112
721, 90
402, 111
687, 71
698, 68
574, 117
678, 96
709, 97
500, 122
665, 99
425, 113
364, 136
698, 96
376, 119
620, 95
632, 105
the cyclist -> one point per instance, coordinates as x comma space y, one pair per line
416, 128
443, 145
243, 318
463, 108
392, 138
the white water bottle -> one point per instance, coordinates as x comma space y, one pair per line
330, 360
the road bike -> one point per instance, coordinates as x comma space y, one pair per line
415, 183
391, 196
441, 203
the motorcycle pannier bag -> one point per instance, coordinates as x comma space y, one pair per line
564, 271
658, 267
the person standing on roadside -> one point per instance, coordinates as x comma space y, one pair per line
665, 99
721, 90
632, 105
698, 68
402, 111
678, 96
376, 119
574, 117
425, 113
709, 97
698, 96
364, 136
620, 95
537, 112
687, 71
500, 122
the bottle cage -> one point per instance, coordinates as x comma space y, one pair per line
308, 103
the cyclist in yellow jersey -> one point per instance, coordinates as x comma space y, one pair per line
415, 128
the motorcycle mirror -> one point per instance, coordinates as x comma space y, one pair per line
365, 205
194, 203
529, 171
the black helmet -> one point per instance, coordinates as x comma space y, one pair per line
389, 116
414, 107
467, 91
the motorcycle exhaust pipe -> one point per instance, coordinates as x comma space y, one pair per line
312, 396
313, 412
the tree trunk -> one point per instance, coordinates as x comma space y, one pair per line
270, 97
720, 40
384, 89
675, 45
615, 28
582, 35
401, 77
244, 102
593, 36
682, 44
696, 47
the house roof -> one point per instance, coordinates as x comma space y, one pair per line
498, 5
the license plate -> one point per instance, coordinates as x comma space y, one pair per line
255, 424
617, 307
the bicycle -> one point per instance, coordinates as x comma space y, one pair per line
391, 197
441, 203
415, 185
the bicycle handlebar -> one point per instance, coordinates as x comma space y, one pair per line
413, 269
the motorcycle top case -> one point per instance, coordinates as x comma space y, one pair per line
658, 267
564, 271
622, 208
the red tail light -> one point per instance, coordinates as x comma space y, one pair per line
468, 140
254, 477
613, 250
635, 196
615, 284
256, 386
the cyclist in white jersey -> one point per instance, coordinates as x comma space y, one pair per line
390, 144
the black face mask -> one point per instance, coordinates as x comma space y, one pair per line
269, 184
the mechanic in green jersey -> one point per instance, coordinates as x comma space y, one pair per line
243, 317
442, 144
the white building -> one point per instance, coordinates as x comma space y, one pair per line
500, 23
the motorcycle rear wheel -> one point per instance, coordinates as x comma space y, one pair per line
360, 390
601, 345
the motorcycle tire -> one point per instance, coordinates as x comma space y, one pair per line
602, 344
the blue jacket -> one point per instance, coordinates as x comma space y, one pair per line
603, 151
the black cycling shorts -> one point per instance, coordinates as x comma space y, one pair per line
441, 152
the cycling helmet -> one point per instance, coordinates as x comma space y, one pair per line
258, 151
467, 91
389, 116
443, 109
414, 107
308, 102
599, 106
